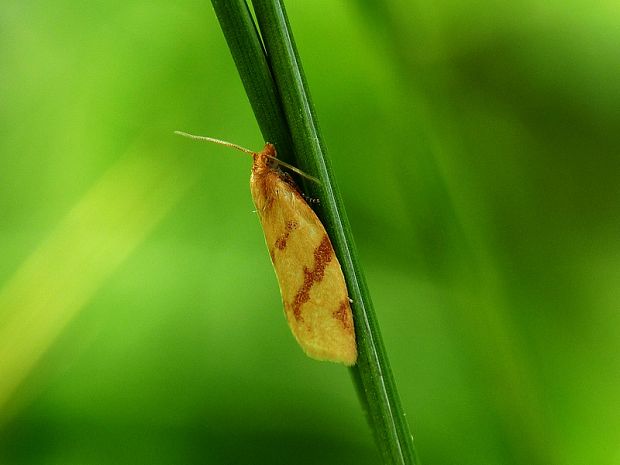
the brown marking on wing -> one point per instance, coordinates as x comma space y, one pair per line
281, 241
322, 256
342, 314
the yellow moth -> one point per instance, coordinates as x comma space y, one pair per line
314, 292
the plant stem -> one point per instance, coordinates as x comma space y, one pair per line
276, 78
249, 56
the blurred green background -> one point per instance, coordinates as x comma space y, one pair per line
477, 148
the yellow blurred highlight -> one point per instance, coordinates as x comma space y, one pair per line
56, 281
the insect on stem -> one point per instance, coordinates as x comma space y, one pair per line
248, 151
316, 306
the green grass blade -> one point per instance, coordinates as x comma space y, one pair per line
372, 374
249, 56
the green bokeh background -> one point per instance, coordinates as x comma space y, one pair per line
477, 147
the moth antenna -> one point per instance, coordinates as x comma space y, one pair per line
243, 149
215, 141
296, 170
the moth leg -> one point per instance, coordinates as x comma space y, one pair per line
309, 199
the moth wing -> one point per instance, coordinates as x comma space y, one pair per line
314, 292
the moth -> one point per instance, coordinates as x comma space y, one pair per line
313, 288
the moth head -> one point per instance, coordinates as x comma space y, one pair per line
265, 160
